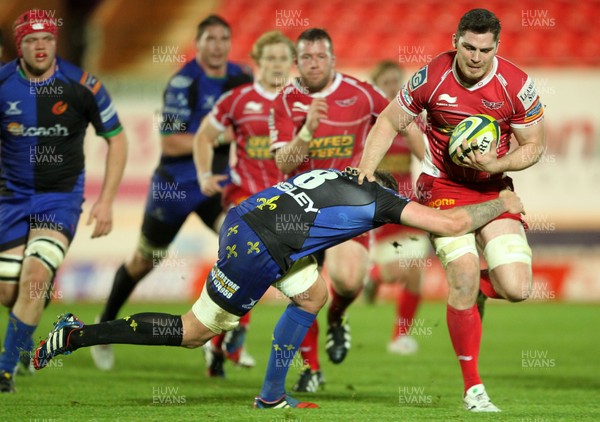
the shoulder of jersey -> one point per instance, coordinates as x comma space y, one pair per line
7, 70
186, 75
238, 68
78, 75
509, 72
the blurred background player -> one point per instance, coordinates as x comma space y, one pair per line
189, 96
320, 120
398, 252
50, 104
456, 84
246, 109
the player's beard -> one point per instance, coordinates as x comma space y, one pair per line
318, 85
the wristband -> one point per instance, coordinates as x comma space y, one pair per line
305, 134
205, 175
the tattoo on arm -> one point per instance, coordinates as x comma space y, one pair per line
482, 213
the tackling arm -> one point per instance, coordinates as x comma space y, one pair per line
460, 220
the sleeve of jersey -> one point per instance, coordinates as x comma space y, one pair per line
103, 114
178, 101
221, 114
389, 206
281, 124
413, 95
529, 109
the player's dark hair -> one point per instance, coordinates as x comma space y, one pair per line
211, 20
479, 21
385, 179
315, 34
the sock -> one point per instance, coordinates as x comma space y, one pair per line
245, 320
338, 306
217, 343
123, 285
18, 339
406, 307
152, 329
485, 285
310, 347
287, 336
465, 332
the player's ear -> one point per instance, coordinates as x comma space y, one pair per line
454, 40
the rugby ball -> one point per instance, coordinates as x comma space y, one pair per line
480, 131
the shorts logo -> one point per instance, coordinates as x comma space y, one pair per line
253, 247
231, 252
59, 108
264, 202
232, 230
222, 284
251, 304
441, 202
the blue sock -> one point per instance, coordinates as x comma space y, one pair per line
287, 336
18, 339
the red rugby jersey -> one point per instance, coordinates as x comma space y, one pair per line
353, 107
246, 108
506, 93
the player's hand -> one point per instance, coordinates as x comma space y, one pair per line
512, 202
102, 213
473, 158
316, 111
362, 174
210, 185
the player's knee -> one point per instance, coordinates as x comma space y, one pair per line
509, 256
519, 287
47, 251
10, 270
139, 266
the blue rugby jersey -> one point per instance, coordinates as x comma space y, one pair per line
315, 210
191, 94
43, 124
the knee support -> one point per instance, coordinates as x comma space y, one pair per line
450, 248
507, 249
48, 250
10, 268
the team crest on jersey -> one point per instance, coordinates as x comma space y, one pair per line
253, 107
418, 79
264, 202
59, 108
492, 105
347, 102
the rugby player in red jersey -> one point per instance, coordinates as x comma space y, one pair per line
245, 109
457, 84
321, 120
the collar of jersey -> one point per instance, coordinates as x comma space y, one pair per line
263, 92
24, 80
337, 80
482, 82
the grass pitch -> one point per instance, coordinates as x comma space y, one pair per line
539, 362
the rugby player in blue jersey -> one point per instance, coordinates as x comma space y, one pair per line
258, 248
46, 104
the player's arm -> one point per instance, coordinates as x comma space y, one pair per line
289, 156
116, 158
460, 220
414, 140
392, 120
204, 139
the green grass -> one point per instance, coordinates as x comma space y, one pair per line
560, 340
